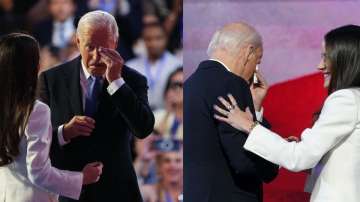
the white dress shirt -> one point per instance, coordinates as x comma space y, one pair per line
84, 76
31, 177
332, 145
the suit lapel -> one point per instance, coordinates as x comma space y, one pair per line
73, 87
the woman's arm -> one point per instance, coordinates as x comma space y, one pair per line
337, 121
39, 134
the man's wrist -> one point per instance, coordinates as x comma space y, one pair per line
111, 79
65, 134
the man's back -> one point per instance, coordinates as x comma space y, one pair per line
217, 168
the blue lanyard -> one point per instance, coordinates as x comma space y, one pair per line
153, 78
174, 127
107, 6
168, 197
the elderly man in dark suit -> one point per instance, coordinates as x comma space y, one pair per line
216, 166
97, 104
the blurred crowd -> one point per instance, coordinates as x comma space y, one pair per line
150, 42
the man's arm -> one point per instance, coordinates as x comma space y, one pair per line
129, 94
233, 140
132, 101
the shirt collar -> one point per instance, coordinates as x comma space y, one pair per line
84, 70
227, 68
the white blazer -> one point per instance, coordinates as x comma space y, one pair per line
333, 144
31, 178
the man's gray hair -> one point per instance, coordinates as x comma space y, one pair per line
95, 19
232, 39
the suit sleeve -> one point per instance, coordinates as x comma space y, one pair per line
40, 171
337, 121
132, 101
233, 140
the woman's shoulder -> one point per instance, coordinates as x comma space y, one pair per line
351, 94
344, 100
40, 112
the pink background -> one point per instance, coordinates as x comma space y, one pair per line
292, 30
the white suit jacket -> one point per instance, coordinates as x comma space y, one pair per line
333, 144
31, 178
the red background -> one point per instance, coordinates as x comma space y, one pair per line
289, 107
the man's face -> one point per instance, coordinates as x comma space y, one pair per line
254, 57
89, 43
61, 9
324, 66
155, 41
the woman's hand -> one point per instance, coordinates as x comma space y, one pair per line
91, 172
292, 139
238, 119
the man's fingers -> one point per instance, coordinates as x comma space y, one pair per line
111, 52
85, 118
81, 128
85, 124
106, 59
85, 121
261, 78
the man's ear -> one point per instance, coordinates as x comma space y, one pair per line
116, 43
250, 49
77, 41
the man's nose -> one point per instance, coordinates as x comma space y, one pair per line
96, 55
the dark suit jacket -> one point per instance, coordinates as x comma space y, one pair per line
119, 115
216, 166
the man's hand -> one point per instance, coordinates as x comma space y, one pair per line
114, 63
292, 139
258, 91
78, 126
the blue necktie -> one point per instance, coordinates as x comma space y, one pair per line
93, 90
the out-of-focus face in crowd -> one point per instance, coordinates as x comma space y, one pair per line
61, 9
170, 166
155, 40
174, 95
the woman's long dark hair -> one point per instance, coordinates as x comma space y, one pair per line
342, 49
19, 61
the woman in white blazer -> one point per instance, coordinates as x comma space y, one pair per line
333, 143
26, 174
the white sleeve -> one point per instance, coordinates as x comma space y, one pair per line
259, 114
38, 134
115, 85
60, 136
337, 120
